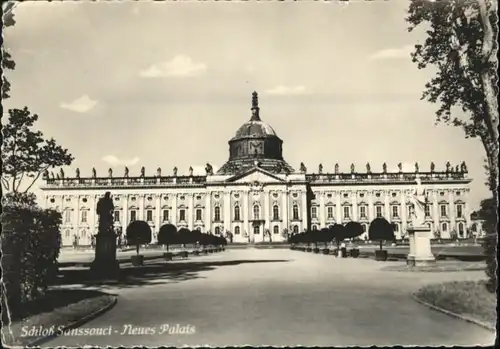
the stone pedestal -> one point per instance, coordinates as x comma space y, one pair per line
105, 264
420, 247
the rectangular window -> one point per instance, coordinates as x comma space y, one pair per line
165, 215
444, 211
459, 211
395, 211
198, 214
329, 212
362, 211
427, 210
67, 216
347, 212
378, 211
149, 215
182, 215
133, 215
314, 212
117, 216
84, 216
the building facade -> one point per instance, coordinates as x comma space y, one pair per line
257, 196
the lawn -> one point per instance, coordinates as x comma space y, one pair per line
468, 298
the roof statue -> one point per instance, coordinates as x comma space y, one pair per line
368, 168
94, 174
336, 168
110, 172
457, 169
320, 168
143, 171
255, 107
433, 167
279, 167
45, 174
416, 167
448, 165
463, 167
190, 171
77, 173
52, 175
303, 168
384, 167
126, 171
58, 177
62, 173
352, 168
175, 171
209, 169
158, 172
400, 167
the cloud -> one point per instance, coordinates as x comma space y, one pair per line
393, 53
80, 105
114, 161
179, 66
287, 90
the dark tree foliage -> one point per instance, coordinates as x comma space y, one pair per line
167, 235
381, 230
138, 233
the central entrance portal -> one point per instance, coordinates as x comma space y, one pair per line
257, 231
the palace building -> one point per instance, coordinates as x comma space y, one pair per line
257, 196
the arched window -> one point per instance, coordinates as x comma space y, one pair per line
276, 212
295, 212
217, 230
256, 212
474, 227
217, 213
396, 227
256, 230
461, 229
314, 227
364, 228
236, 213
276, 229
444, 227
237, 231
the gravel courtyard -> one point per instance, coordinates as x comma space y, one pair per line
282, 298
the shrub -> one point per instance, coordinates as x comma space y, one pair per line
380, 229
167, 235
31, 243
488, 212
138, 233
353, 230
338, 232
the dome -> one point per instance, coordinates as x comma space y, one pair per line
255, 129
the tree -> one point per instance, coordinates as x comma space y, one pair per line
167, 234
7, 61
138, 233
461, 44
488, 212
26, 154
338, 232
353, 230
381, 230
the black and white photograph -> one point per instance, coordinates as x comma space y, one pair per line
249, 173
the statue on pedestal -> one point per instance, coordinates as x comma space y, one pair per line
104, 210
303, 168
419, 200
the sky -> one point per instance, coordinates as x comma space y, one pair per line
167, 84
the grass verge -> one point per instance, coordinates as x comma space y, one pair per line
469, 299
58, 309
439, 266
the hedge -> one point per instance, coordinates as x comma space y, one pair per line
31, 243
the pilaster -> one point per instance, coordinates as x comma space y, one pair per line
190, 211
227, 211
322, 210
174, 209
208, 211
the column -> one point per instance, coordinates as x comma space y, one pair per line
141, 207
124, 222
322, 213
338, 206
158, 213
245, 214
76, 215
404, 213
267, 217
371, 207
435, 211
190, 211
387, 208
174, 210
227, 212
305, 224
354, 201
284, 211
208, 211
